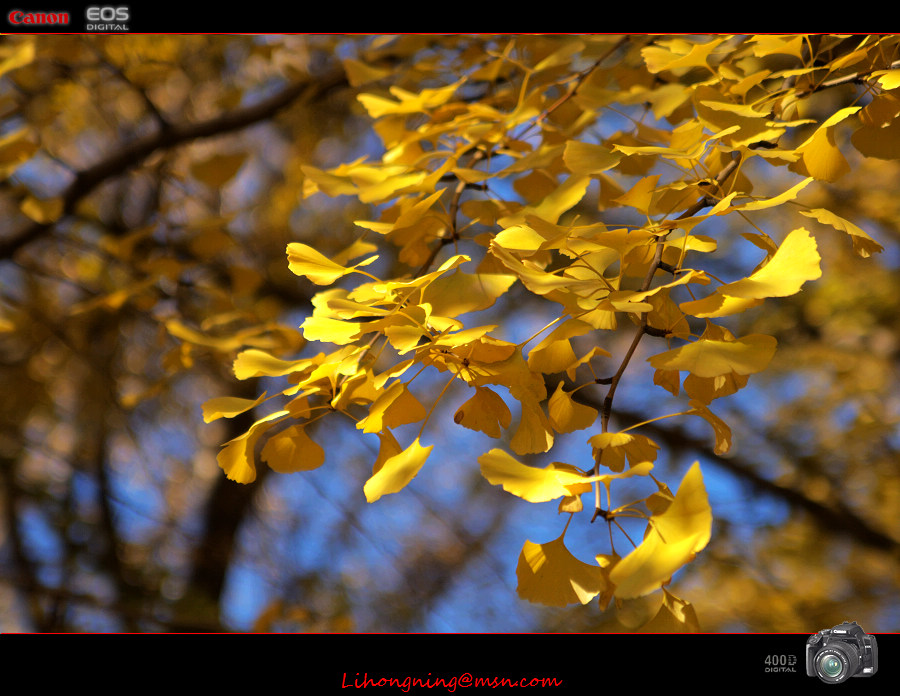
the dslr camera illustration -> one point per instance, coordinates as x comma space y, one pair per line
836, 654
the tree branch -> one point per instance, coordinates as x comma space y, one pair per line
133, 154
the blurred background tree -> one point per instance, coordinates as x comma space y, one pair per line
150, 186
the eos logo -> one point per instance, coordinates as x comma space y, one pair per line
107, 18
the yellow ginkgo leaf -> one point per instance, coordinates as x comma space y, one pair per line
549, 574
554, 353
329, 330
718, 305
567, 415
588, 158
820, 156
706, 389
613, 449
258, 363
675, 615
781, 198
397, 471
639, 469
396, 406
584, 359
456, 293
553, 205
237, 457
534, 433
689, 515
534, 484
486, 411
641, 195
720, 427
305, 261
678, 54
792, 264
795, 262
228, 407
520, 238
711, 358
536, 280
863, 244
673, 540
407, 102
387, 448
292, 450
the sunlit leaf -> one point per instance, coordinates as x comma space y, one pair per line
795, 262
228, 407
536, 485
305, 261
552, 206
820, 156
711, 358
640, 196
396, 406
775, 201
863, 244
457, 293
673, 539
689, 515
407, 102
258, 363
397, 471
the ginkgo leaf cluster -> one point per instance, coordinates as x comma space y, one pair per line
531, 187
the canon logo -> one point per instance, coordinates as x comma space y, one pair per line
20, 17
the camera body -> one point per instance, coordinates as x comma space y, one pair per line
836, 654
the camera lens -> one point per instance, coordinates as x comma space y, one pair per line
831, 666
836, 663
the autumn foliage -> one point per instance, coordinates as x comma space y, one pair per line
489, 168
646, 200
